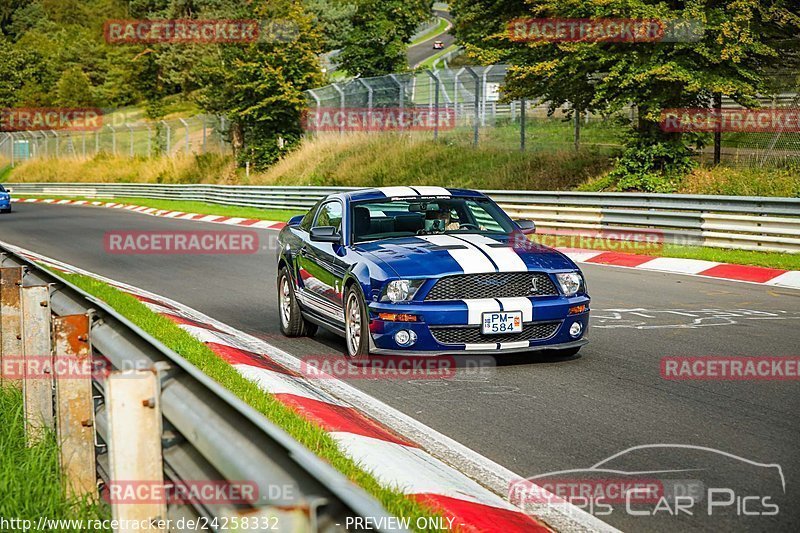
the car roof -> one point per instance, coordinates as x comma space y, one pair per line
380, 193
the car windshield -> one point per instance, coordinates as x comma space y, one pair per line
404, 218
2, 189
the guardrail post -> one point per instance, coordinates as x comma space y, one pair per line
37, 385
74, 406
133, 400
10, 319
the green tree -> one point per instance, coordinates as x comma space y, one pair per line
382, 30
741, 43
74, 89
335, 20
259, 86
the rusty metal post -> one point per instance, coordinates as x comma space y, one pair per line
73, 364
133, 399
10, 319
37, 385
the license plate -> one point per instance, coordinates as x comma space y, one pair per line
501, 322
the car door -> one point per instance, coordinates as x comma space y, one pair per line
322, 268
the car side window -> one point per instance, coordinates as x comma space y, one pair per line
330, 214
305, 224
483, 218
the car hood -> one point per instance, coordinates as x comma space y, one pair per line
441, 255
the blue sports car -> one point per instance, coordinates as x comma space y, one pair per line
426, 271
5, 200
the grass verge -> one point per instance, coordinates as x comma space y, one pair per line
30, 477
198, 354
201, 208
439, 29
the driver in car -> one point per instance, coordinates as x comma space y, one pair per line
440, 220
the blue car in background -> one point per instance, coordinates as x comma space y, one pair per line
5, 200
426, 271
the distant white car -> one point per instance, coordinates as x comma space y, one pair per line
438, 45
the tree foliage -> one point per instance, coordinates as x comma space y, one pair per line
381, 31
743, 42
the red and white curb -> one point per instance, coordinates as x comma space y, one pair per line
693, 267
398, 450
180, 215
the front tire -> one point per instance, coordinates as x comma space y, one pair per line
292, 322
356, 325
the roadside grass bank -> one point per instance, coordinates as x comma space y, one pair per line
363, 160
358, 160
720, 255
200, 355
30, 477
722, 180
200, 208
105, 168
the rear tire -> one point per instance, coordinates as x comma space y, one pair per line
356, 325
292, 322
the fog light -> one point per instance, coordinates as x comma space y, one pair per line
575, 329
405, 337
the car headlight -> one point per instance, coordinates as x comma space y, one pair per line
401, 290
570, 282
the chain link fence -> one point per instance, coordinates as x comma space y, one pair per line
193, 135
467, 107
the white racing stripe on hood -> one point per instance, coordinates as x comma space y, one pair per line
504, 257
476, 308
432, 191
397, 191
469, 258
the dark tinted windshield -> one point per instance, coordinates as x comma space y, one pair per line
383, 219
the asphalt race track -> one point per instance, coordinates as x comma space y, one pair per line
535, 414
422, 51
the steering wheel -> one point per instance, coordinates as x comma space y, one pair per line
467, 225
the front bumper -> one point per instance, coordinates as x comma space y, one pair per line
455, 314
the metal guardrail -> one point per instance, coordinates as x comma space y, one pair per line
208, 433
740, 222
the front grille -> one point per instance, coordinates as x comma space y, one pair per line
492, 285
472, 334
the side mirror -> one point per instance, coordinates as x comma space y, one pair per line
295, 220
526, 226
325, 234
